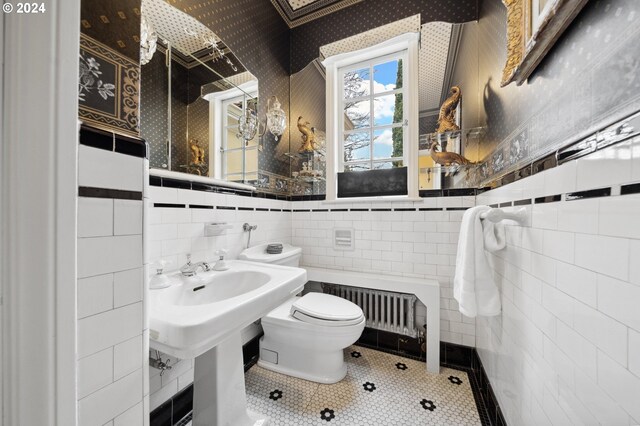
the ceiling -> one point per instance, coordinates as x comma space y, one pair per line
298, 12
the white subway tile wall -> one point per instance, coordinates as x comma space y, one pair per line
111, 335
565, 349
176, 232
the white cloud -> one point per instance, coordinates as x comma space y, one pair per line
383, 107
386, 137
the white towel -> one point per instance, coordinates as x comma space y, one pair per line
473, 285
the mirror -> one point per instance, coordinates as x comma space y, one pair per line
198, 102
448, 57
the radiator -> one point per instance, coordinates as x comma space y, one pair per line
384, 310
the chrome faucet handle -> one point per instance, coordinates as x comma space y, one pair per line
222, 253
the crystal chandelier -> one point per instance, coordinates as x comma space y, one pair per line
148, 41
210, 41
248, 124
276, 118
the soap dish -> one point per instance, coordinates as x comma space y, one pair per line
216, 228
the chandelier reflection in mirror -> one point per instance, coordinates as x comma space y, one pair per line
248, 122
276, 117
210, 41
148, 41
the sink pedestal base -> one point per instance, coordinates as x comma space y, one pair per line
219, 396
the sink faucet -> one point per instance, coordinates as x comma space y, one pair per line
190, 269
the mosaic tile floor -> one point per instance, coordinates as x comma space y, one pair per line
380, 389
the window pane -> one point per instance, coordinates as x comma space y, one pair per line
387, 165
357, 146
234, 162
251, 158
357, 167
356, 83
387, 76
232, 138
387, 109
382, 144
357, 115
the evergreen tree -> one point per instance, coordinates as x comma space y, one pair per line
397, 118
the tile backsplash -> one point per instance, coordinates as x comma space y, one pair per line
565, 348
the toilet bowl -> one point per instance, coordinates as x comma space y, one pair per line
305, 336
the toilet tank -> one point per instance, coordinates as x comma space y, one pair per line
290, 255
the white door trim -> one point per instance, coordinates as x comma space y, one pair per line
38, 181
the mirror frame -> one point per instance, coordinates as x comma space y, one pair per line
531, 36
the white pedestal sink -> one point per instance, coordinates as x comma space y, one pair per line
201, 317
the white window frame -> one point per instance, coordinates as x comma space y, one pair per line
224, 150
406, 44
216, 127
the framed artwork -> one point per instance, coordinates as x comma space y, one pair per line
533, 26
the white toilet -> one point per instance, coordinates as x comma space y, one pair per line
305, 336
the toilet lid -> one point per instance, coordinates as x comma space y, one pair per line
325, 309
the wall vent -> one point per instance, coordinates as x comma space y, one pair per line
343, 239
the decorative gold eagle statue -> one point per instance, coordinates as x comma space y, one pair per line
447, 116
447, 158
308, 135
197, 153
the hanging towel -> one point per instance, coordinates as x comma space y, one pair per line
473, 285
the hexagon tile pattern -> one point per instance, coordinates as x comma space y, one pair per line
375, 392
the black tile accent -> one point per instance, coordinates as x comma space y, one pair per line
427, 193
131, 146
198, 206
457, 209
408, 209
275, 210
176, 183
155, 181
369, 336
261, 209
633, 188
182, 404
249, 209
593, 193
339, 210
96, 138
225, 208
162, 416
458, 355
286, 210
494, 206
301, 210
381, 210
548, 199
372, 183
197, 186
118, 194
459, 192
358, 210
507, 204
524, 202
431, 209
320, 210
315, 197
169, 205
544, 163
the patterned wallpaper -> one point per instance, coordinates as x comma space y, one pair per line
589, 79
109, 72
307, 39
259, 37
153, 108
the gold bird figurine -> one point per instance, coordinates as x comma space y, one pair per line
447, 116
447, 158
308, 136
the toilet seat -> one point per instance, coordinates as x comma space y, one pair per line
326, 310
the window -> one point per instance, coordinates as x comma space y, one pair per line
372, 135
239, 157
372, 117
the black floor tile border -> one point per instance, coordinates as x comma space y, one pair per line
176, 410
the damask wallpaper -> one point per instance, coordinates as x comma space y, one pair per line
588, 80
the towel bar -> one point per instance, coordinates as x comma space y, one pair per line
496, 215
